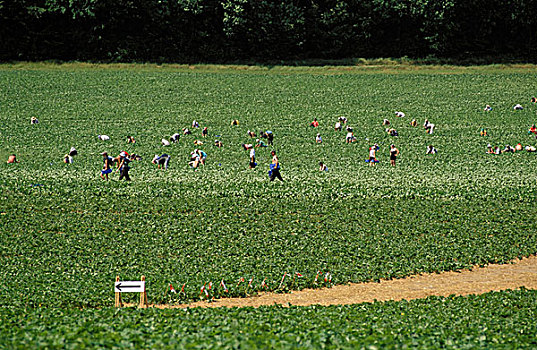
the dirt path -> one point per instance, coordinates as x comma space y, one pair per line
477, 281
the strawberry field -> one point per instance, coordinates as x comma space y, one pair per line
494, 320
65, 234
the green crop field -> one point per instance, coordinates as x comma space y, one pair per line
494, 320
65, 234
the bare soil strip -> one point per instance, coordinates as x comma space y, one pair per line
521, 273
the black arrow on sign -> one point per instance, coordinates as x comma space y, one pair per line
119, 286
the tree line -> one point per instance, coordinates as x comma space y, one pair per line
263, 31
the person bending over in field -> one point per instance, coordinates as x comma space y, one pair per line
350, 137
107, 165
392, 132
247, 146
508, 149
322, 167
161, 161
253, 164
518, 107
34, 120
130, 139
194, 160
534, 99
195, 124
12, 159
342, 120
385, 122
203, 156
218, 143
400, 114
530, 148
204, 132
67, 159
429, 127
175, 137
487, 108
260, 143
431, 150
518, 147
314, 123
318, 139
186, 131
270, 137
414, 123
337, 127
275, 167
251, 134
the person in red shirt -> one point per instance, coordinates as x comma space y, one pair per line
533, 130
12, 159
314, 123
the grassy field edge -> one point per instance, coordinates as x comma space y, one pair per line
361, 67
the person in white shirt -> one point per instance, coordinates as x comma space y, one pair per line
165, 142
400, 114
253, 164
431, 150
372, 155
318, 139
103, 137
337, 127
518, 107
175, 137
429, 127
194, 159
350, 137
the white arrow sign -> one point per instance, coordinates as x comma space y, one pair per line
129, 287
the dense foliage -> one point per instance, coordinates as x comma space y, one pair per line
494, 320
260, 30
65, 234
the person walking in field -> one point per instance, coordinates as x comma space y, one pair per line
107, 165
275, 167
124, 167
394, 152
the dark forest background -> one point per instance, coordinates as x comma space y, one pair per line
195, 31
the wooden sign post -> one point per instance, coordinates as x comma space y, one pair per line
130, 287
